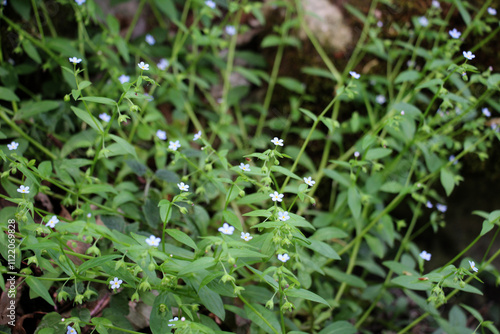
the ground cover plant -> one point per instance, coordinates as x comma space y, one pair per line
145, 190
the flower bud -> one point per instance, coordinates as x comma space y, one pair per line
162, 308
227, 277
62, 295
238, 289
79, 299
270, 304
135, 297
134, 108
151, 266
119, 264
89, 293
67, 98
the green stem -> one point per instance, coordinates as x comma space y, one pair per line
38, 22
134, 20
258, 314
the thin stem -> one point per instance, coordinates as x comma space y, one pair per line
134, 20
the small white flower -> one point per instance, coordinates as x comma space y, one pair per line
429, 204
174, 319
230, 30
162, 135
210, 4
246, 236
423, 21
436, 4
183, 319
380, 99
380, 24
149, 97
173, 145
75, 60
52, 222
276, 141
163, 64
356, 154
402, 112
354, 75
426, 256
310, 182
451, 158
197, 135
115, 284
153, 241
183, 187
226, 229
441, 207
89, 215
150, 39
12, 146
283, 257
283, 216
105, 117
469, 55
244, 167
123, 78
143, 66
4, 2
70, 329
276, 196
455, 33
486, 112
473, 266
23, 189
492, 11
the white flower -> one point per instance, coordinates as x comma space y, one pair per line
426, 256
246, 236
115, 284
105, 117
276, 196
468, 55
455, 33
380, 99
380, 24
283, 216
149, 97
423, 21
244, 167
153, 241
52, 222
486, 112
123, 78
310, 182
162, 135
402, 112
356, 154
173, 145
197, 135
283, 257
75, 60
80, 2
174, 319
150, 39
473, 266
451, 158
23, 189
183, 187
4, 2
354, 75
210, 4
163, 64
71, 330
226, 229
436, 4
89, 215
429, 204
276, 141
441, 207
492, 11
230, 30
12, 146
143, 66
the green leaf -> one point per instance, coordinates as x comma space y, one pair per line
474, 312
31, 51
354, 201
376, 245
292, 84
306, 294
342, 179
392, 187
340, 276
463, 12
182, 238
318, 72
323, 249
339, 327
166, 175
270, 40
32, 109
232, 219
328, 233
212, 301
197, 266
408, 75
137, 167
308, 114
151, 213
38, 288
285, 171
88, 118
377, 153
487, 226
97, 99
7, 94
45, 169
125, 146
97, 188
168, 8
430, 83
354, 11
412, 283
447, 180
270, 316
96, 262
237, 253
